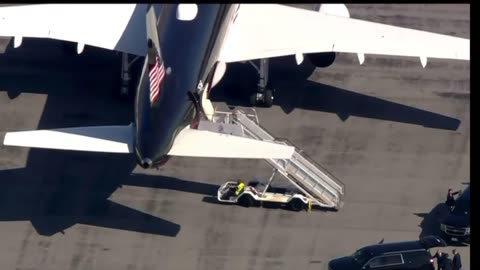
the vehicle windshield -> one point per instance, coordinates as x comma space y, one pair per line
360, 256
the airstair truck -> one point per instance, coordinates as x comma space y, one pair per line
257, 193
313, 184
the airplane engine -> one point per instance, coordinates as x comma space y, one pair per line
325, 59
322, 60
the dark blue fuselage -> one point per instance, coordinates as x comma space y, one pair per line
188, 49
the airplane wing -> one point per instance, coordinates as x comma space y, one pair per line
264, 31
111, 26
120, 139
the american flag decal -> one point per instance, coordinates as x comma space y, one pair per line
156, 74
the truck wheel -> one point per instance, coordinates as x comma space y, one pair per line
296, 205
245, 201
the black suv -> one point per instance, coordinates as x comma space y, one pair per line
456, 226
392, 256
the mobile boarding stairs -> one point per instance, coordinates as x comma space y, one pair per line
322, 188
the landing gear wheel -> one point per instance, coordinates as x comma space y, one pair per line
296, 205
253, 99
268, 98
127, 84
245, 201
264, 98
125, 90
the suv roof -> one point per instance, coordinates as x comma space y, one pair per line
422, 244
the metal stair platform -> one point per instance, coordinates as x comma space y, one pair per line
309, 177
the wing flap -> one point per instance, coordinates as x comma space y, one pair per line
289, 30
109, 139
203, 143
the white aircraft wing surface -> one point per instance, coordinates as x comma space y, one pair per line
120, 139
204, 143
268, 30
118, 27
108, 139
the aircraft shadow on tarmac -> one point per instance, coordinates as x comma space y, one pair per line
430, 223
58, 189
293, 90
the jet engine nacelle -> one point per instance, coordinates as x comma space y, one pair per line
322, 60
325, 59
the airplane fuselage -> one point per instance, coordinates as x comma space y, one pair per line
189, 50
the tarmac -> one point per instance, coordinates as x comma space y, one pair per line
396, 134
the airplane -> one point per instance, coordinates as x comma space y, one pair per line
187, 48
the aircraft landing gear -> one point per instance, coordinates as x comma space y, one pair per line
263, 95
126, 88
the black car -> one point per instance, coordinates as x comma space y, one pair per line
456, 226
392, 256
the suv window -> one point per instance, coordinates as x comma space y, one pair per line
385, 260
417, 257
